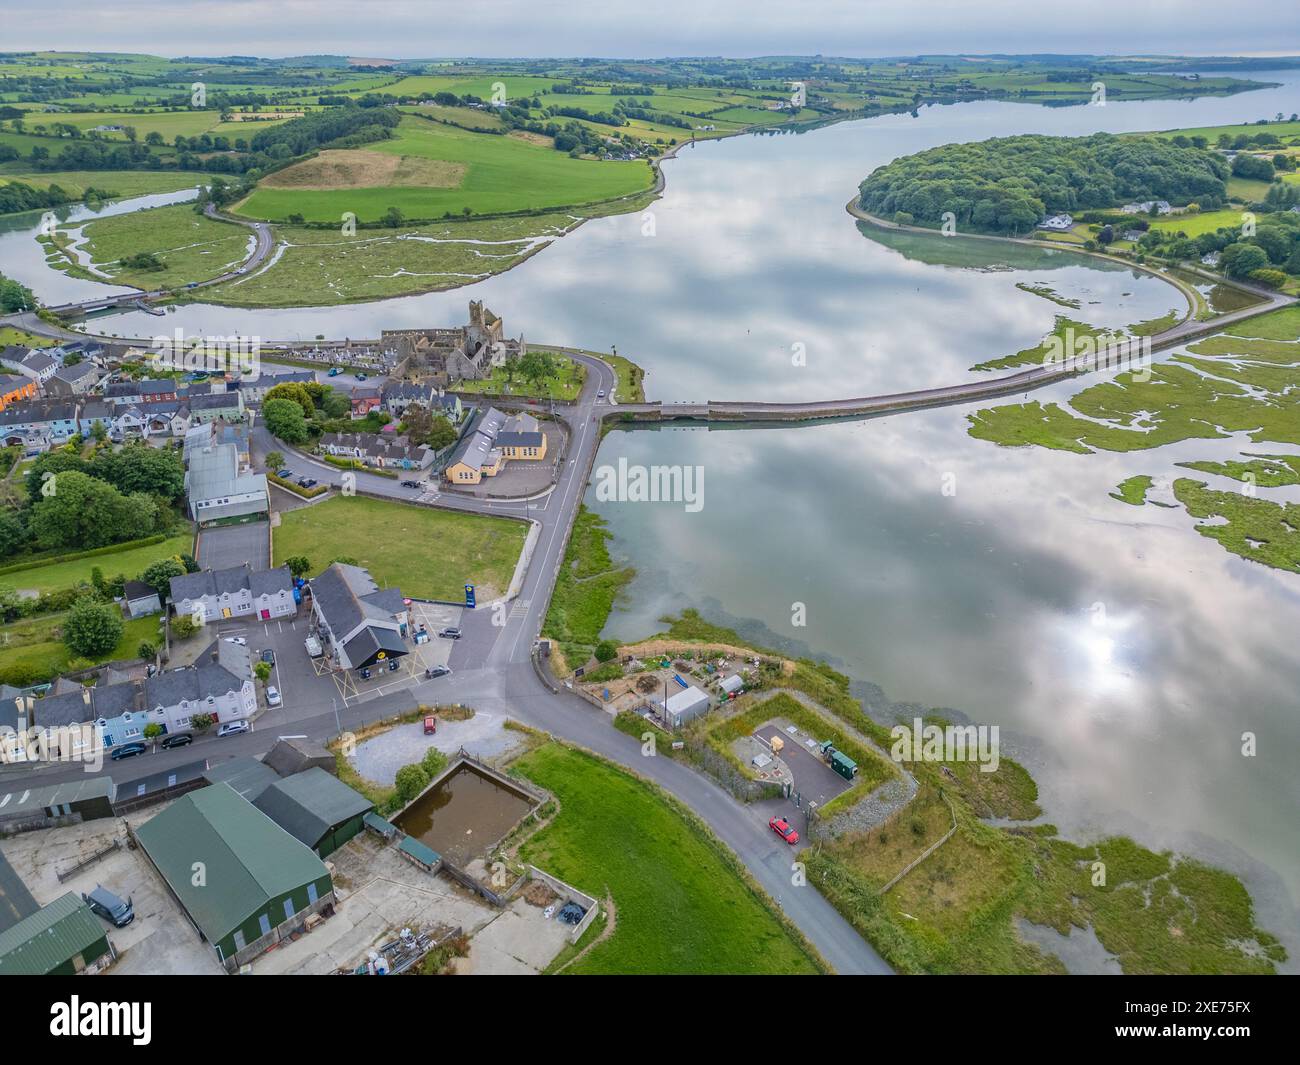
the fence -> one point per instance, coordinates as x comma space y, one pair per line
85, 863
570, 894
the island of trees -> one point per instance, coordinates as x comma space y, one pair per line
1006, 185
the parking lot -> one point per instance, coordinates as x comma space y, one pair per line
814, 780
223, 546
304, 681
160, 940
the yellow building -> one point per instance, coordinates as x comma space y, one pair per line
493, 440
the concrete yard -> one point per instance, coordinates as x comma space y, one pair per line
381, 893
160, 940
223, 546
813, 779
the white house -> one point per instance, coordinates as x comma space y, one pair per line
214, 595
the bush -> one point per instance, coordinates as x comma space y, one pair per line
433, 762
146, 650
92, 628
903, 218
410, 781
262, 671
184, 626
199, 722
606, 651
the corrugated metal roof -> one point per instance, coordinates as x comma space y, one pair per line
26, 799
50, 937
418, 851
247, 776
309, 804
246, 857
386, 828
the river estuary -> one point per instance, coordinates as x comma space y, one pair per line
1122, 654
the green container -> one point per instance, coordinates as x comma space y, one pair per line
844, 765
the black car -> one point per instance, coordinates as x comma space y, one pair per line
306, 482
128, 750
410, 484
450, 634
181, 739
437, 671
268, 656
110, 907
285, 473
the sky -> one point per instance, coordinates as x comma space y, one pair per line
416, 29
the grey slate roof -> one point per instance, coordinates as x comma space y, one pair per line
270, 581
247, 776
222, 582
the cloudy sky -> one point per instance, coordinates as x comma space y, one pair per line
405, 29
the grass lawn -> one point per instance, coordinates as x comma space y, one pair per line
428, 554
497, 174
681, 901
1196, 224
10, 335
565, 384
585, 589
120, 183
191, 246
35, 646
131, 563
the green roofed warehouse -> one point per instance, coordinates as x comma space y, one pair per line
244, 882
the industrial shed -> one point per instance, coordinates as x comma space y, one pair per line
684, 706
76, 801
288, 757
60, 939
247, 776
258, 883
316, 809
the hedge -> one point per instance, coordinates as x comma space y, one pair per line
72, 556
296, 489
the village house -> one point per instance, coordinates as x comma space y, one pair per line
38, 424
491, 441
75, 380
14, 388
122, 393
383, 450
223, 405
1058, 223
254, 389
117, 708
360, 624
33, 362
215, 595
365, 398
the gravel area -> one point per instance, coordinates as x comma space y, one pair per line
380, 757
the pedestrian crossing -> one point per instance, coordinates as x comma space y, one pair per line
520, 609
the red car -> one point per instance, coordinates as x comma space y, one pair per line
782, 828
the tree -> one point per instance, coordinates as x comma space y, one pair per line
433, 762
274, 460
184, 626
393, 217
442, 433
84, 512
334, 404
1255, 167
410, 781
606, 651
146, 650
1106, 234
298, 564
295, 391
284, 418
199, 722
158, 575
92, 628
141, 468
262, 671
13, 533
1238, 260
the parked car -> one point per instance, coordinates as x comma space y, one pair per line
364, 673
782, 828
272, 695
109, 906
450, 634
314, 649
307, 482
361, 377
284, 473
232, 728
181, 739
335, 371
410, 484
237, 639
268, 656
128, 750
437, 671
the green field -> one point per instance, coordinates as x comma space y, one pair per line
682, 902
566, 384
121, 183
428, 554
130, 563
191, 246
32, 650
1196, 224
493, 181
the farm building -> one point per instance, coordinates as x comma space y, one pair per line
60, 939
686, 705
71, 803
247, 776
258, 883
288, 757
315, 808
